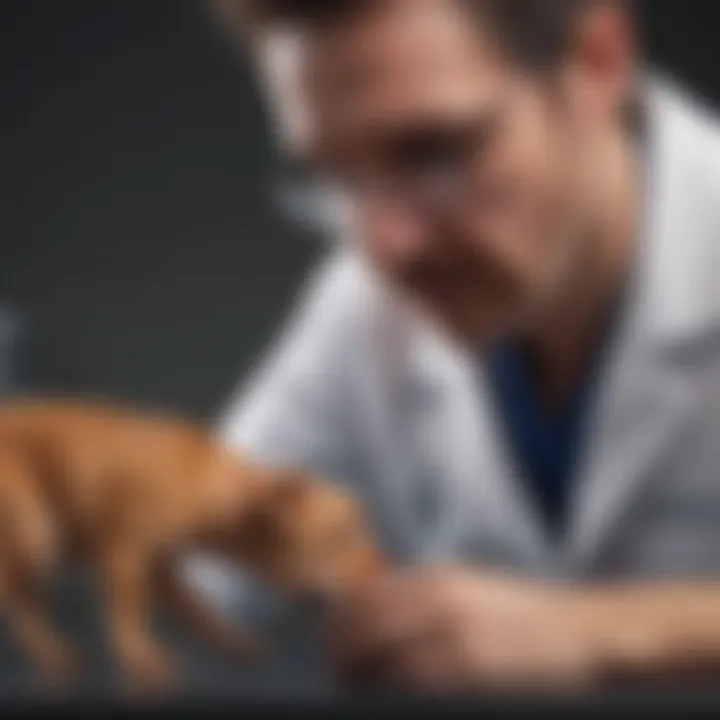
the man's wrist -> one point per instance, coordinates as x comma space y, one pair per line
651, 633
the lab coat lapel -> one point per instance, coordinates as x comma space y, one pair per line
645, 404
455, 447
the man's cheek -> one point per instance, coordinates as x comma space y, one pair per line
528, 242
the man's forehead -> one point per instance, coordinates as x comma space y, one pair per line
402, 68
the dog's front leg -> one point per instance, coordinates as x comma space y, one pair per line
126, 569
23, 602
232, 641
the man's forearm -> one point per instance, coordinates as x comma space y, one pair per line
648, 631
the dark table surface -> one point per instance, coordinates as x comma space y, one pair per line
296, 678
295, 668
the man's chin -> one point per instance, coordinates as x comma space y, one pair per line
473, 329
466, 323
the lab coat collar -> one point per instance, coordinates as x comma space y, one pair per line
677, 291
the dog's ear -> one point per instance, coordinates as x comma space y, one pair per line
287, 489
264, 525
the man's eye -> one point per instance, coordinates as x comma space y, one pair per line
431, 154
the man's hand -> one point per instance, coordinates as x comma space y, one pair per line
456, 630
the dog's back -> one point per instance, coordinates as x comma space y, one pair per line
98, 465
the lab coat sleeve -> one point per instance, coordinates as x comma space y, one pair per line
294, 409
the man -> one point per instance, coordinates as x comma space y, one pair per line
514, 358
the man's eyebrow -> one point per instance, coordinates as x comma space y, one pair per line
479, 125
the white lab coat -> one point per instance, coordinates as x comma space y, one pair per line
389, 407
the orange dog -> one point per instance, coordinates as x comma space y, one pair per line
132, 494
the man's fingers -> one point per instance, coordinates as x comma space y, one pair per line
379, 625
425, 664
397, 594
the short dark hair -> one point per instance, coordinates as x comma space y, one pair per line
534, 32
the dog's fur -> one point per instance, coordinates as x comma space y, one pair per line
130, 494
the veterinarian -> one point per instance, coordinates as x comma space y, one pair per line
512, 355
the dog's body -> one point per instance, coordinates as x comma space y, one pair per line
130, 494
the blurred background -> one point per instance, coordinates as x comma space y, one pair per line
142, 255
141, 252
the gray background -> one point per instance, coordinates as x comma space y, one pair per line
137, 236
140, 246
